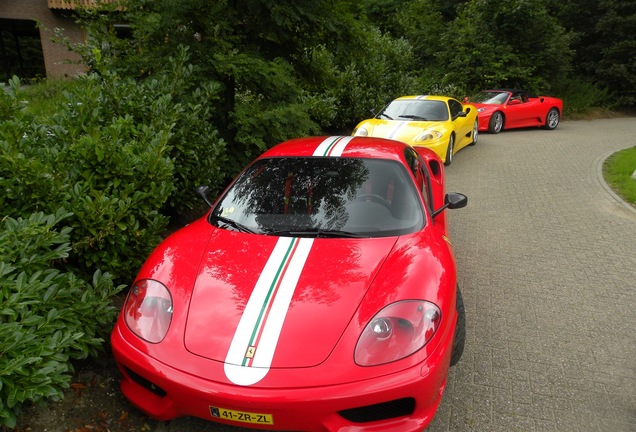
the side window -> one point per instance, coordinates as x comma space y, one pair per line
516, 98
411, 159
416, 165
455, 107
426, 187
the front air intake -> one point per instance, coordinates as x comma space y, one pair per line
380, 411
147, 384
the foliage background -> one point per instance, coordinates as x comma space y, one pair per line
96, 176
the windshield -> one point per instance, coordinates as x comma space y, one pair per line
412, 109
490, 97
320, 197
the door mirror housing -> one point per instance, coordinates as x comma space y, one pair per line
452, 200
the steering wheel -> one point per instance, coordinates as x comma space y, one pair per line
374, 197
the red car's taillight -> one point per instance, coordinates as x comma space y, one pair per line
148, 310
397, 331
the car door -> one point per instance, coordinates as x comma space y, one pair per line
522, 111
515, 109
534, 112
462, 123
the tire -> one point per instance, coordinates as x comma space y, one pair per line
449, 150
475, 133
496, 123
552, 119
460, 330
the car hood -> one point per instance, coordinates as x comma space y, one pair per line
405, 131
278, 302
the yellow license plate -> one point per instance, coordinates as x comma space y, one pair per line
242, 416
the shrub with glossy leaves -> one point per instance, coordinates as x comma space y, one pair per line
123, 155
48, 316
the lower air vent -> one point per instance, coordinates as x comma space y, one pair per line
145, 383
381, 411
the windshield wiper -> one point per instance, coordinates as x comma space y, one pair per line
234, 224
317, 232
414, 117
385, 115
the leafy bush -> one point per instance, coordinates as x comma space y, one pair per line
115, 158
122, 155
581, 96
27, 155
10, 105
101, 158
197, 150
48, 316
102, 167
380, 74
504, 44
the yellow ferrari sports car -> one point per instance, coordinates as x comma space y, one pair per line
441, 123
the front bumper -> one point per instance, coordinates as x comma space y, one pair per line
403, 401
439, 146
484, 120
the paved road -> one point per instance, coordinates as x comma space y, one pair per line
547, 263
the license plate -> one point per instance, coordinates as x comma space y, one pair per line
242, 416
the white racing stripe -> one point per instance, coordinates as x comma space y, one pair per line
252, 349
332, 146
395, 132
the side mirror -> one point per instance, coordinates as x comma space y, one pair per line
466, 99
204, 192
461, 114
514, 102
452, 200
456, 200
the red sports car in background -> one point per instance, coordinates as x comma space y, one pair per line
318, 294
509, 108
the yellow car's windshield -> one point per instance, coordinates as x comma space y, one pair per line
415, 110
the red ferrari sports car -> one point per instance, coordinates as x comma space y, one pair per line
509, 108
319, 293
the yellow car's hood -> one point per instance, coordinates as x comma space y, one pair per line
405, 131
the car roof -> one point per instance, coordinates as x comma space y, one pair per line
362, 147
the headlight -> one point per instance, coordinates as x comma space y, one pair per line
397, 331
429, 136
481, 109
360, 132
148, 310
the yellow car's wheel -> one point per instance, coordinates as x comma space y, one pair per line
449, 150
475, 133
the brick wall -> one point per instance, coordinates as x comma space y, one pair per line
55, 55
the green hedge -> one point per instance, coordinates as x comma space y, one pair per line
48, 316
89, 191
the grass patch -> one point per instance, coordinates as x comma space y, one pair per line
618, 170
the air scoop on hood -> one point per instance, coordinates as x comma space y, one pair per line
278, 302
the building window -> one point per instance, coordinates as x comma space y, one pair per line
20, 50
